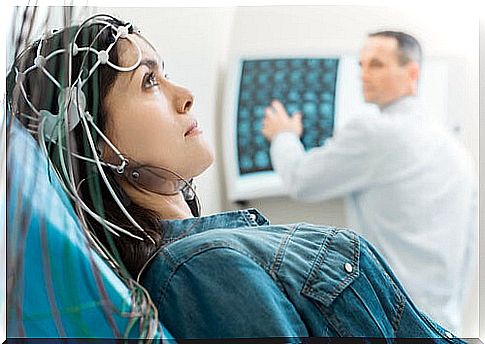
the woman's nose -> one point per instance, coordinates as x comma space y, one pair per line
184, 100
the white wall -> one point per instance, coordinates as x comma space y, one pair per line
198, 43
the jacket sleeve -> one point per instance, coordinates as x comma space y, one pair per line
346, 163
222, 293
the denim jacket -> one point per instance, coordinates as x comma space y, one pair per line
234, 275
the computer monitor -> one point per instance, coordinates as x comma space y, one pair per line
301, 84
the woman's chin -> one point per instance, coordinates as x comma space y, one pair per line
204, 166
200, 164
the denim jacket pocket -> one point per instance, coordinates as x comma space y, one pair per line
335, 267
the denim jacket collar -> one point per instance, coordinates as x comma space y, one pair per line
177, 229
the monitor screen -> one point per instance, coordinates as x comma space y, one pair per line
307, 85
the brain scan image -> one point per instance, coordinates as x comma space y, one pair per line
303, 84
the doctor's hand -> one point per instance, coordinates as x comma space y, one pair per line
276, 120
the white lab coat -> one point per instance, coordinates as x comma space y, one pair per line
411, 190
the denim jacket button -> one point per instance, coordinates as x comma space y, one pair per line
253, 217
348, 267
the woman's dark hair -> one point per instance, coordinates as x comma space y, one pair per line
43, 93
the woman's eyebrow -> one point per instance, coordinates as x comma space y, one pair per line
150, 63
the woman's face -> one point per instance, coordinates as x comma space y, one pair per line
149, 118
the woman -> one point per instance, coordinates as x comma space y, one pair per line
126, 146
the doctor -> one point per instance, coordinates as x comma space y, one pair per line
410, 187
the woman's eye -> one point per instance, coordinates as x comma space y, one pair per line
150, 80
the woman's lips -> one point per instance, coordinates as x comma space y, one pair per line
193, 130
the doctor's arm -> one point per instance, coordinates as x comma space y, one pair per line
346, 163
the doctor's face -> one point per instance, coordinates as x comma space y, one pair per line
149, 118
384, 79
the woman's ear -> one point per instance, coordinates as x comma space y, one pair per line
104, 152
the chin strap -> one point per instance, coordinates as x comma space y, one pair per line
155, 179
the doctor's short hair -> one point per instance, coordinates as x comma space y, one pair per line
409, 48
